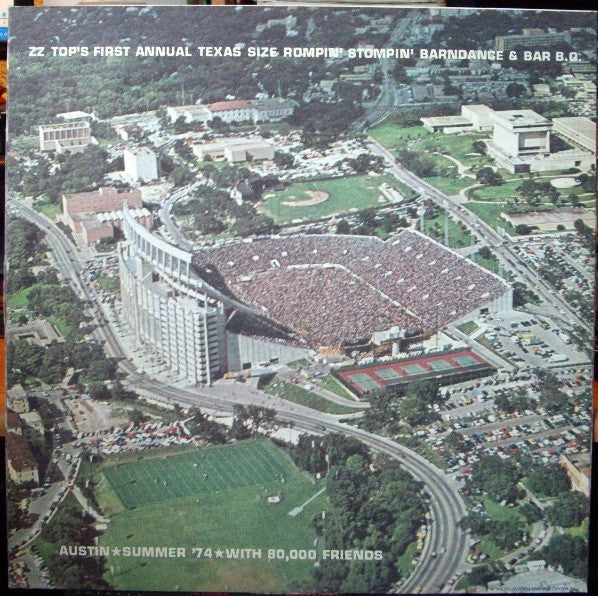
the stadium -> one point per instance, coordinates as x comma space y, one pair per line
259, 301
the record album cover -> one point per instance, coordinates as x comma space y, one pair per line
300, 299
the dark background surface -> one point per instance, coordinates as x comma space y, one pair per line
534, 4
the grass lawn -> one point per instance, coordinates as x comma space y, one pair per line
490, 264
405, 561
490, 213
352, 193
302, 396
162, 413
59, 323
450, 186
468, 328
48, 209
109, 284
227, 510
19, 299
581, 530
392, 135
457, 237
333, 384
458, 146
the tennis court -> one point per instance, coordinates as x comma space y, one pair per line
444, 367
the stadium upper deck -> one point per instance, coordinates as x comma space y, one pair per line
332, 289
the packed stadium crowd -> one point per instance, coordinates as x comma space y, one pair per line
433, 284
326, 306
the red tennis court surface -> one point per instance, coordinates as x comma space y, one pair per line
446, 367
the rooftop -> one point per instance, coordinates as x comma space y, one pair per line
521, 118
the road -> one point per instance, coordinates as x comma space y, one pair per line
164, 214
483, 231
384, 104
446, 505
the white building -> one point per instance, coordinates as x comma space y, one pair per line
578, 130
169, 318
235, 149
521, 132
141, 164
72, 135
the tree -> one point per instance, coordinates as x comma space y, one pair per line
343, 227
284, 160
137, 417
181, 175
550, 480
414, 410
522, 229
515, 90
569, 509
479, 147
485, 252
488, 177
531, 512
568, 552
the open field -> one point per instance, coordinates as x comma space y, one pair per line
450, 186
208, 470
391, 135
352, 193
490, 213
457, 237
226, 510
302, 396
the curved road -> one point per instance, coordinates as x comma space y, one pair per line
447, 545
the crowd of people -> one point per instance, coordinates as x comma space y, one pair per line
325, 306
408, 281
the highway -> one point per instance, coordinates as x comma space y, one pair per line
385, 102
446, 548
484, 232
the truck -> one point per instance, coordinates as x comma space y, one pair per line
558, 358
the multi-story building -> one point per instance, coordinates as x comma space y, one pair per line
237, 110
73, 136
96, 214
141, 164
20, 464
531, 39
169, 314
17, 399
271, 110
235, 149
578, 130
521, 132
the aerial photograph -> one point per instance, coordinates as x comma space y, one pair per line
300, 299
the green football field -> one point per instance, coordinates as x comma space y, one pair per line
219, 503
211, 469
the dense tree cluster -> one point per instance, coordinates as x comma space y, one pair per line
72, 527
251, 420
569, 509
496, 478
75, 172
375, 506
550, 480
25, 249
391, 406
568, 552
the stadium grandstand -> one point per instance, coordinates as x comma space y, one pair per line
332, 289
